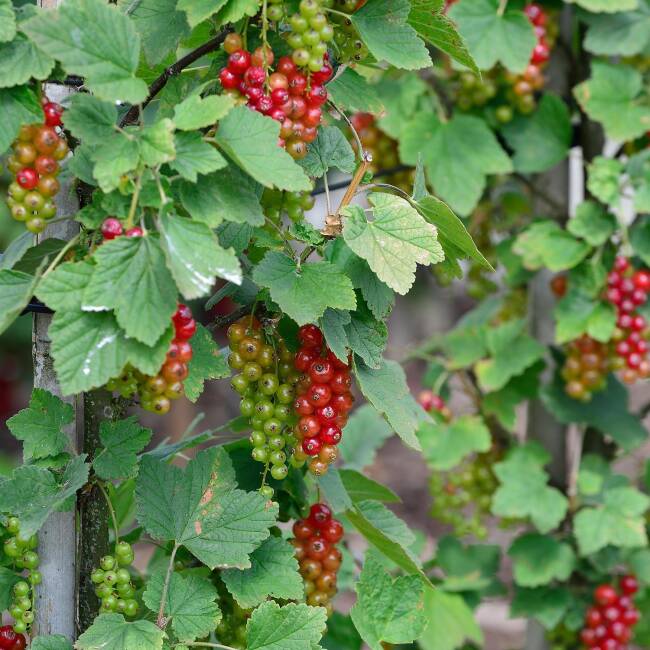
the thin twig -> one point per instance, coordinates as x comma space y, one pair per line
229, 319
132, 114
111, 510
61, 253
161, 622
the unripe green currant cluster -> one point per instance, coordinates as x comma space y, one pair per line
266, 384
350, 48
35, 166
277, 203
113, 584
462, 498
309, 34
157, 392
22, 552
231, 630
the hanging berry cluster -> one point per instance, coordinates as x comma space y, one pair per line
294, 204
383, 149
627, 291
266, 383
323, 400
157, 392
231, 629
11, 640
431, 402
291, 97
112, 228
34, 163
113, 584
586, 367
21, 550
315, 540
608, 624
310, 33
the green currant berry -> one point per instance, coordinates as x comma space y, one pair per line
24, 603
282, 412
272, 427
20, 627
252, 371
239, 384
276, 442
125, 590
107, 563
13, 523
279, 472
35, 577
268, 384
11, 548
298, 23
277, 457
28, 617
260, 454
131, 608
285, 394
110, 577
21, 589
31, 560
264, 409
247, 407
267, 491
257, 438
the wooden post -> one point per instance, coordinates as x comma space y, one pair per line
56, 596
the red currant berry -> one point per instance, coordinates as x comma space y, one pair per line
319, 514
341, 382
641, 280
342, 403
317, 95
326, 414
286, 66
317, 548
533, 11
312, 116
186, 332
264, 105
53, 113
593, 618
255, 76
311, 446
611, 613
46, 166
321, 371
111, 228
332, 531
136, 231
239, 61
229, 80
588, 637
280, 96
614, 295
614, 279
624, 321
297, 83
320, 394
302, 405
304, 359
303, 530
540, 54
638, 323
174, 371
629, 585
277, 114
298, 108
606, 594
27, 178
254, 94
621, 264
330, 434
278, 80
182, 315
180, 351
631, 617
323, 75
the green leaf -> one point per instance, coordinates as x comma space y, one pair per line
341, 634
157, 143
196, 112
592, 223
105, 52
458, 156
334, 491
638, 169
524, 491
350, 91
7, 21
195, 257
273, 572
547, 604
494, 36
383, 27
198, 10
640, 239
604, 180
622, 34
542, 140
62, 288
18, 106
112, 632
361, 488
387, 609
235, 10
452, 233
540, 559
16, 289
304, 292
450, 622
618, 521
386, 389
367, 337
402, 98
117, 156
330, 149
122, 440
394, 242
357, 448
608, 6
32, 493
160, 25
437, 29
576, 314
16, 250
511, 351
201, 508
22, 60
90, 119
190, 604
612, 97
227, 195
41, 425
445, 444
292, 627
546, 244
207, 363
251, 140
137, 266
50, 642
609, 412
194, 156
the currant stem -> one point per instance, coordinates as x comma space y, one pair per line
134, 201
160, 620
206, 644
502, 7
61, 253
111, 510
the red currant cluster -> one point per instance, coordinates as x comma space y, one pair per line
609, 623
156, 392
429, 401
35, 165
112, 228
586, 367
113, 584
10, 640
287, 95
627, 290
323, 400
315, 540
21, 550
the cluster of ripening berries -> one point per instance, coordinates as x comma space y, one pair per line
34, 162
113, 584
10, 639
294, 204
21, 550
112, 228
315, 540
431, 402
265, 382
609, 622
158, 391
231, 629
288, 95
323, 400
